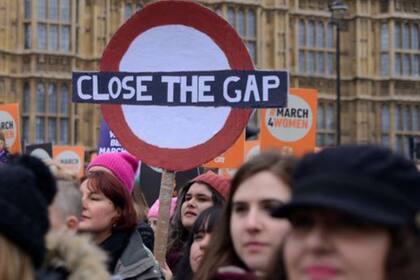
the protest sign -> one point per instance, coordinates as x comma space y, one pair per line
178, 108
232, 157
176, 87
71, 158
108, 143
292, 129
257, 89
9, 124
252, 148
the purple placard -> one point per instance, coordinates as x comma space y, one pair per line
108, 143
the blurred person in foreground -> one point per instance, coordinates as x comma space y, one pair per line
67, 256
354, 215
23, 223
247, 236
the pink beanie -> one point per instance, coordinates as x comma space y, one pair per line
154, 210
122, 165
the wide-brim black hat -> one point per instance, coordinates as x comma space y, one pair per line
367, 182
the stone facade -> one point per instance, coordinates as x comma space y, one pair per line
43, 41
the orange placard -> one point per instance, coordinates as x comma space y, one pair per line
293, 128
232, 158
70, 157
10, 125
252, 148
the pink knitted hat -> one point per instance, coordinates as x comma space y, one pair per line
154, 210
122, 165
219, 183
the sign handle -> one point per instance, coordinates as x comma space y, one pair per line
162, 231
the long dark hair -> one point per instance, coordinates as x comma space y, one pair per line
221, 251
403, 260
205, 223
179, 234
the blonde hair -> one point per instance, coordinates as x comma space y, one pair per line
61, 173
14, 263
140, 204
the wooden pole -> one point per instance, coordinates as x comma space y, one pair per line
162, 230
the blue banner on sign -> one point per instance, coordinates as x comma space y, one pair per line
108, 143
233, 88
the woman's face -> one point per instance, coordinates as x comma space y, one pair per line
197, 199
98, 213
255, 234
198, 247
328, 245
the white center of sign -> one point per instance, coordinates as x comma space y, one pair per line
174, 48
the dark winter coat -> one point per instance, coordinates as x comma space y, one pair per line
136, 262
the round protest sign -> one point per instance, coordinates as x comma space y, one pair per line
291, 128
8, 126
290, 124
171, 36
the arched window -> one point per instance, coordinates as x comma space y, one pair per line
301, 33
385, 124
320, 34
384, 36
397, 119
52, 130
397, 35
330, 117
251, 24
65, 10
330, 35
40, 98
42, 9
241, 23
128, 11
64, 126
64, 100
406, 118
406, 36
310, 36
52, 98
320, 117
26, 98
415, 44
28, 9
53, 10
231, 17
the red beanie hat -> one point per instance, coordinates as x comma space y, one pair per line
219, 183
122, 165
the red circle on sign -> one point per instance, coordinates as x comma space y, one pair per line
204, 20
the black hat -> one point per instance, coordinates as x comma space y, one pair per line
367, 182
44, 179
24, 214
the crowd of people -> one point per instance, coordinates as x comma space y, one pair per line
349, 212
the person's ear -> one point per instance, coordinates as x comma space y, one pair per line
72, 222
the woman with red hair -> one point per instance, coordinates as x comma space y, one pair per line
109, 216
